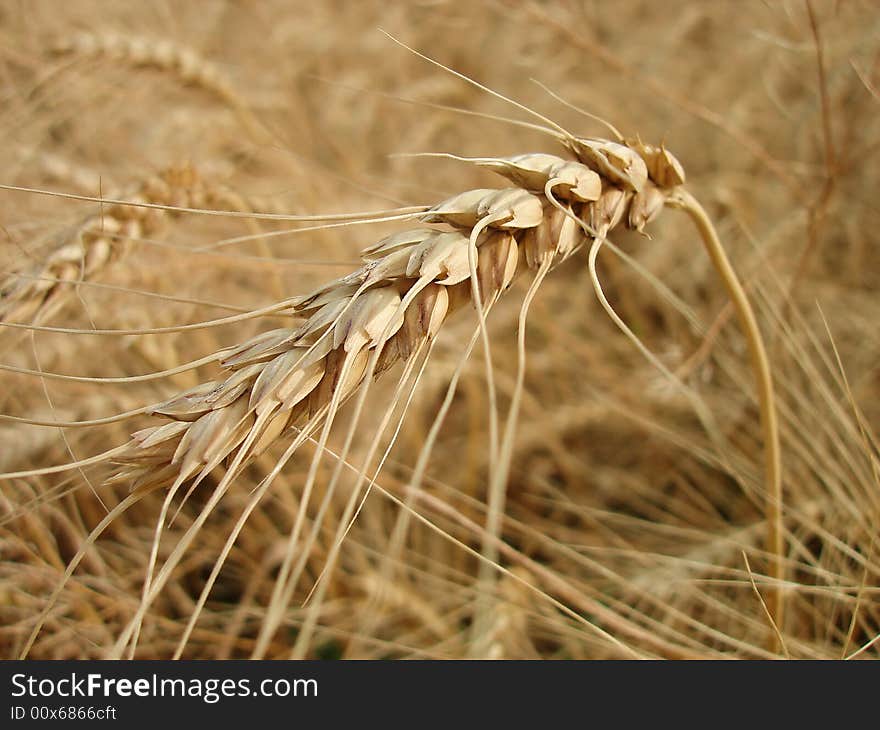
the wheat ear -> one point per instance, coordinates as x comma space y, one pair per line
33, 295
165, 56
99, 240
394, 303
162, 55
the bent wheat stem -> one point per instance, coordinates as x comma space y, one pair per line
766, 400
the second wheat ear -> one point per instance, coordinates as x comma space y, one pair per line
469, 248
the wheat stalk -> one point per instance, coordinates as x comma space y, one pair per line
391, 309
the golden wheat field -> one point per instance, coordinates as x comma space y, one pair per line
439, 330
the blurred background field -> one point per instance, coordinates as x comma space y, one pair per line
627, 530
